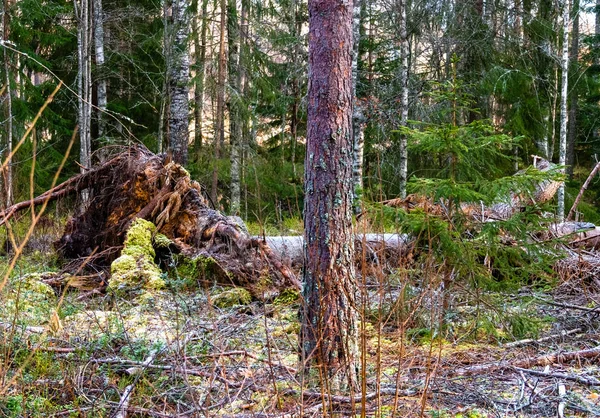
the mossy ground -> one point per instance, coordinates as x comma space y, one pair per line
216, 351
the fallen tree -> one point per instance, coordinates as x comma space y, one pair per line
135, 183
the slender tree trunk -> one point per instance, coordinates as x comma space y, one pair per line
564, 116
404, 50
295, 29
220, 119
235, 97
358, 117
82, 13
179, 77
101, 80
7, 98
200, 51
572, 131
329, 325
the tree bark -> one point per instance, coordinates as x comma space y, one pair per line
200, 51
235, 124
7, 98
100, 78
329, 324
404, 50
179, 75
564, 116
572, 131
82, 14
358, 117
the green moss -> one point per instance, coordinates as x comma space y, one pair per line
135, 268
232, 297
161, 241
28, 300
287, 297
189, 271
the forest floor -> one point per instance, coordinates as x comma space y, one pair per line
190, 351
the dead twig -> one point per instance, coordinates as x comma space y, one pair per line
541, 340
582, 190
587, 381
553, 358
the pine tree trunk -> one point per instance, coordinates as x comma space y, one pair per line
358, 117
220, 116
329, 323
235, 124
179, 75
562, 154
101, 80
572, 131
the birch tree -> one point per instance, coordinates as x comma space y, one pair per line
329, 324
84, 83
358, 117
200, 29
179, 84
572, 131
98, 17
404, 51
564, 116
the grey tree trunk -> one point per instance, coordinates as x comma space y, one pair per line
84, 83
564, 116
220, 117
572, 131
200, 51
404, 51
179, 77
235, 123
358, 117
8, 116
329, 330
101, 80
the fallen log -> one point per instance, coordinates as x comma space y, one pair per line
378, 247
548, 359
503, 209
135, 183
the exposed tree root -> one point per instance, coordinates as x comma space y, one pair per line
136, 183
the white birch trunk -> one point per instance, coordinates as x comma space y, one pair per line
564, 116
201, 25
82, 14
404, 51
358, 118
179, 75
101, 80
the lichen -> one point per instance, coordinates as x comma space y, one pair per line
232, 297
135, 269
28, 300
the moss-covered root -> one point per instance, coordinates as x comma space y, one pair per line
135, 269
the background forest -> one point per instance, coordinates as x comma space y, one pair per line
469, 296
501, 61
